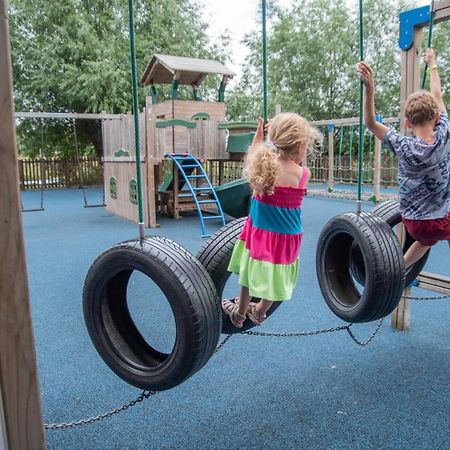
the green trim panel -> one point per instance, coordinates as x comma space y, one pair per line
236, 125
113, 187
133, 191
174, 123
201, 116
239, 143
121, 152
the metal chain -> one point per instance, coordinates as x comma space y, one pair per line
299, 333
144, 395
370, 338
323, 331
439, 297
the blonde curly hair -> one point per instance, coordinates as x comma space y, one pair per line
290, 137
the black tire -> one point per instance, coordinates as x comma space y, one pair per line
192, 297
215, 255
383, 262
390, 212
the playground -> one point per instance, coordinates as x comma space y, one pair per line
120, 324
320, 391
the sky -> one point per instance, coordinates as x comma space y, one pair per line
239, 16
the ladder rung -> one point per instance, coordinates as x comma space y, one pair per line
185, 195
212, 217
206, 201
201, 188
188, 166
195, 176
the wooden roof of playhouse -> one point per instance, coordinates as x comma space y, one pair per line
163, 69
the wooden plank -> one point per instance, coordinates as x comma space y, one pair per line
151, 190
21, 415
401, 317
377, 170
348, 121
48, 115
434, 282
442, 11
331, 158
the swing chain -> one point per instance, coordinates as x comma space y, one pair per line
143, 395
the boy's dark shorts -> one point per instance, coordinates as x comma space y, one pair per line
429, 232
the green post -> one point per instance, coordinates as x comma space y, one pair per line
222, 86
153, 94
175, 84
196, 92
430, 35
361, 97
136, 119
264, 61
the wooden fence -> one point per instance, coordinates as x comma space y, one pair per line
59, 173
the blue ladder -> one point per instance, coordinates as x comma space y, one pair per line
190, 169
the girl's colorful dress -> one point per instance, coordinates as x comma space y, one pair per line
266, 254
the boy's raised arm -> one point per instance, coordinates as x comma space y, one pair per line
366, 75
435, 80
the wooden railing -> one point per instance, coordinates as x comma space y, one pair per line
59, 173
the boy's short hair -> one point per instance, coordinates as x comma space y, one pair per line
421, 107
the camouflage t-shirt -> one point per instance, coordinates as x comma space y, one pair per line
423, 172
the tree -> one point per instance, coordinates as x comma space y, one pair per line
74, 55
313, 52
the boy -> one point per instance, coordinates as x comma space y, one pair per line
424, 160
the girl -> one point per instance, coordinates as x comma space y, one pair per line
266, 254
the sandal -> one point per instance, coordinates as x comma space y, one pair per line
230, 309
256, 317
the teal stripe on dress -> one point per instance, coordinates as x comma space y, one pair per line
275, 218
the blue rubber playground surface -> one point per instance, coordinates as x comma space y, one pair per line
315, 392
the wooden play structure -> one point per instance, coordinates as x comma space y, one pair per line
412, 24
195, 127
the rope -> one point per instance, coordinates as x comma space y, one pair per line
361, 92
430, 35
137, 138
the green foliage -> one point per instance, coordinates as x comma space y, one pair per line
313, 52
74, 55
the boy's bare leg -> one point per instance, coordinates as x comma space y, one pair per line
415, 252
244, 300
263, 306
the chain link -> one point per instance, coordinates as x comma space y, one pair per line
439, 297
370, 338
299, 333
57, 426
146, 394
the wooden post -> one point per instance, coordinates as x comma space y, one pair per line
330, 157
150, 161
401, 317
21, 424
377, 170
